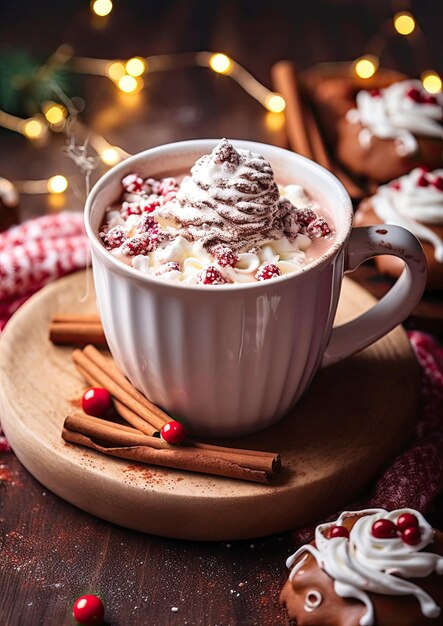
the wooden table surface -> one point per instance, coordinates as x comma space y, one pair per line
50, 552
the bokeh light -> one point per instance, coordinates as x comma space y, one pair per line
110, 156
220, 63
431, 82
33, 129
404, 23
116, 70
136, 66
101, 7
57, 184
366, 66
55, 113
127, 84
275, 103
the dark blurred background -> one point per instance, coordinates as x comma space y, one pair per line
193, 102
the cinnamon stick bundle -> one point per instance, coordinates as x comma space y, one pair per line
99, 370
302, 128
128, 443
72, 329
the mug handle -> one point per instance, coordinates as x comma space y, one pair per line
365, 243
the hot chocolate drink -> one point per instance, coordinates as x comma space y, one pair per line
228, 222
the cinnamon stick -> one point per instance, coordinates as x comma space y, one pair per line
76, 333
303, 132
76, 318
138, 447
132, 418
321, 156
111, 432
140, 424
286, 83
109, 366
104, 380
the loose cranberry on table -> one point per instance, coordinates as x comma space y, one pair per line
88, 610
96, 401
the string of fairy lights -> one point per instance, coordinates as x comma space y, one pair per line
128, 76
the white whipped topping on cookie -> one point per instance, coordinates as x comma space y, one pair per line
402, 111
412, 201
363, 563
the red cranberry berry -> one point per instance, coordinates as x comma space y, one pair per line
130, 208
167, 185
149, 204
133, 183
172, 266
384, 529
339, 531
428, 99
96, 401
115, 237
88, 610
135, 245
423, 181
145, 224
210, 276
173, 432
438, 182
224, 256
305, 216
411, 535
318, 228
414, 94
424, 168
407, 520
375, 93
265, 272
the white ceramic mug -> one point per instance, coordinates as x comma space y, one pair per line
233, 359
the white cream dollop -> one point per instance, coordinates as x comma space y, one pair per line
393, 115
363, 563
406, 203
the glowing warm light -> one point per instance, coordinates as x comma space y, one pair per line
275, 103
127, 84
101, 7
55, 113
404, 23
33, 129
431, 82
110, 156
365, 67
136, 66
116, 70
220, 63
57, 184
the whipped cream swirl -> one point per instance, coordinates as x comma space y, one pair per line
412, 201
230, 198
363, 563
401, 112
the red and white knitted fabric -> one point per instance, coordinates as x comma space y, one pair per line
415, 478
36, 252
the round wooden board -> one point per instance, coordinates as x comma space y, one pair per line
355, 416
